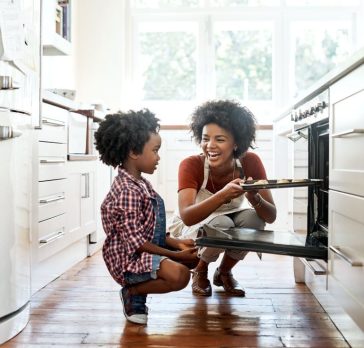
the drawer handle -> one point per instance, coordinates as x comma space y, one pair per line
338, 252
58, 234
53, 199
53, 122
348, 132
52, 161
316, 271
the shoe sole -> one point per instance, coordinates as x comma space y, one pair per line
136, 318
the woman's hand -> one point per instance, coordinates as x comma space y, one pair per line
232, 190
251, 195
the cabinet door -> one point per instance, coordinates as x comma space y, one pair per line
347, 133
346, 259
88, 211
73, 203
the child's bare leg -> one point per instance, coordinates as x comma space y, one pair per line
172, 276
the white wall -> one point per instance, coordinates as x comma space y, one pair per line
59, 71
100, 51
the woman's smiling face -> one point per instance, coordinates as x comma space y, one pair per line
217, 144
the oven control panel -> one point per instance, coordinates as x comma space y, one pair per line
314, 110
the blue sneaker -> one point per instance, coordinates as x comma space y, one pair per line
134, 306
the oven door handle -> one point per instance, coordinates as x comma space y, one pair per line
297, 136
348, 132
353, 263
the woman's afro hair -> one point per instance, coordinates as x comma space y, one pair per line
122, 133
231, 116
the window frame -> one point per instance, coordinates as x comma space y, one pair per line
205, 16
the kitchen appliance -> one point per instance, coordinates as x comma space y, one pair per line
19, 115
308, 240
15, 179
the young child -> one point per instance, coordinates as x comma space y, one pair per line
137, 252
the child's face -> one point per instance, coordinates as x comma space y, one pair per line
148, 159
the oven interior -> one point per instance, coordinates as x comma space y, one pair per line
318, 196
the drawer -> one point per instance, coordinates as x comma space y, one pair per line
346, 236
51, 229
51, 201
53, 131
51, 112
51, 206
52, 169
52, 150
51, 188
51, 237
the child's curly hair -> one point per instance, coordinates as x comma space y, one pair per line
231, 116
121, 133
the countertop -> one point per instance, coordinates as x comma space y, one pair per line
70, 105
326, 81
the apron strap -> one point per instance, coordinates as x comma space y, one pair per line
206, 170
240, 167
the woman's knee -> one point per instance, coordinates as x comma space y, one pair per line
221, 221
249, 218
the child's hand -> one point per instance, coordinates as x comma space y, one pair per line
189, 254
186, 244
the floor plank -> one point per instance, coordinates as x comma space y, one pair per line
82, 309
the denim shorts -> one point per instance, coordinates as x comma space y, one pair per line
135, 278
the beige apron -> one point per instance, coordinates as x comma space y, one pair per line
176, 226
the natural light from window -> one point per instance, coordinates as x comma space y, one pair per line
263, 53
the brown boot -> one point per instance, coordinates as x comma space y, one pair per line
227, 281
200, 284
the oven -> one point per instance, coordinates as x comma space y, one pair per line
311, 161
309, 238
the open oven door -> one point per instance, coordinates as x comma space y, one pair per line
263, 241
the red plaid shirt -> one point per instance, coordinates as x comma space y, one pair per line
128, 219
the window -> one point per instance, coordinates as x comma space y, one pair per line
243, 60
167, 54
262, 53
319, 47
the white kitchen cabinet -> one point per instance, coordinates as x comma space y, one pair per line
64, 211
346, 194
347, 133
346, 263
80, 198
103, 180
54, 44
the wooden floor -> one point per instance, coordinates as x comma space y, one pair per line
82, 309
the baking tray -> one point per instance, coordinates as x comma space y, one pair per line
278, 183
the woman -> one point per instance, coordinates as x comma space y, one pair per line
209, 189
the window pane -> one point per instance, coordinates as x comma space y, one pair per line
320, 47
243, 62
323, 2
245, 2
168, 63
165, 3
